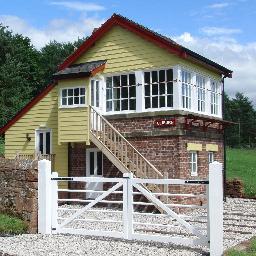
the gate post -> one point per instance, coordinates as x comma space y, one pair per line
54, 213
44, 197
215, 209
128, 205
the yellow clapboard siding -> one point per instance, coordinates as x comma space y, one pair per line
135, 53
44, 112
73, 123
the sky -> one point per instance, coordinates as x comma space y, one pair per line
224, 31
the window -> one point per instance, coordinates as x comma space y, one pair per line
158, 89
193, 163
210, 157
214, 98
43, 142
95, 93
73, 96
186, 89
200, 84
121, 93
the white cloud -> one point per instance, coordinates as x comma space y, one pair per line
61, 30
218, 5
79, 6
241, 58
213, 31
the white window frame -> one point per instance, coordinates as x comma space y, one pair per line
210, 157
74, 105
166, 94
201, 92
186, 90
94, 96
37, 139
120, 98
193, 159
214, 97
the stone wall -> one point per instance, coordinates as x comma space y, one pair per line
18, 190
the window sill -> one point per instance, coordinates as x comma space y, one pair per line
194, 174
73, 106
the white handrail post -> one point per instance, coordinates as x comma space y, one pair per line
54, 184
44, 197
128, 205
215, 212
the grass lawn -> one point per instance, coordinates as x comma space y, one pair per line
241, 163
245, 249
11, 225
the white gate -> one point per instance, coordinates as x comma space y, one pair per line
119, 210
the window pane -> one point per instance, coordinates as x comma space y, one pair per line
109, 106
124, 104
147, 77
76, 100
132, 79
109, 93
169, 75
64, 93
147, 90
41, 142
162, 88
99, 163
70, 92
132, 91
109, 82
92, 92
132, 104
124, 81
91, 163
154, 77
169, 101
162, 101
116, 93
116, 105
48, 143
116, 81
154, 89
154, 102
76, 91
162, 76
124, 92
64, 101
82, 91
147, 102
169, 88
82, 100
70, 101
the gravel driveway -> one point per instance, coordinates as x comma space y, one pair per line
239, 225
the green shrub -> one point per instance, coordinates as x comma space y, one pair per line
11, 225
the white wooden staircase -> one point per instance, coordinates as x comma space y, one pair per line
120, 151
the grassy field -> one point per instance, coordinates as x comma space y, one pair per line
241, 163
11, 225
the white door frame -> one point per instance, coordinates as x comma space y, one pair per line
98, 185
37, 139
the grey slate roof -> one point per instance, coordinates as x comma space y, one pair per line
78, 70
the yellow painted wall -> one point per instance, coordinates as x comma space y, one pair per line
45, 112
73, 123
212, 147
125, 51
194, 147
